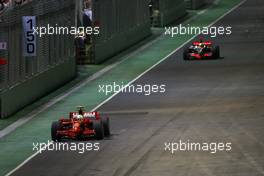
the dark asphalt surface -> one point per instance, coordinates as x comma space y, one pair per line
206, 101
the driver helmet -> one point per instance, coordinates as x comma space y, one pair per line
79, 116
202, 45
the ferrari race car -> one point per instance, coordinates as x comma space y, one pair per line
81, 125
201, 50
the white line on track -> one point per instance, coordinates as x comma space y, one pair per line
112, 66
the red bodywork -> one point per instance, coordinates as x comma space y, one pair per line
73, 127
207, 43
199, 56
201, 50
3, 61
202, 55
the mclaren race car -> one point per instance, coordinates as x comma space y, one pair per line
201, 50
81, 125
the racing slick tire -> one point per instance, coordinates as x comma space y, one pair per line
186, 54
2, 6
106, 126
216, 52
54, 128
98, 129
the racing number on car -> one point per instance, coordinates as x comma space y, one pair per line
29, 39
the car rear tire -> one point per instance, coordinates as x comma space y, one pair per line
54, 128
106, 125
98, 129
216, 52
186, 54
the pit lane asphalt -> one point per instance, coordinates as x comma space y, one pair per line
206, 101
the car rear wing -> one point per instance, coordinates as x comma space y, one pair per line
207, 43
91, 115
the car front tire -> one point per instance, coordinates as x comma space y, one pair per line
186, 54
54, 129
216, 52
106, 125
98, 129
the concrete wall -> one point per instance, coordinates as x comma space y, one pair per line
25, 79
107, 48
171, 10
122, 23
197, 3
17, 97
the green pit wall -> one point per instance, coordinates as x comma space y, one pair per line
122, 24
17, 97
195, 4
171, 10
26, 79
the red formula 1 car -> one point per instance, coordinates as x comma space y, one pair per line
80, 125
201, 50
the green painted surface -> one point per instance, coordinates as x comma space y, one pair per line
18, 145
